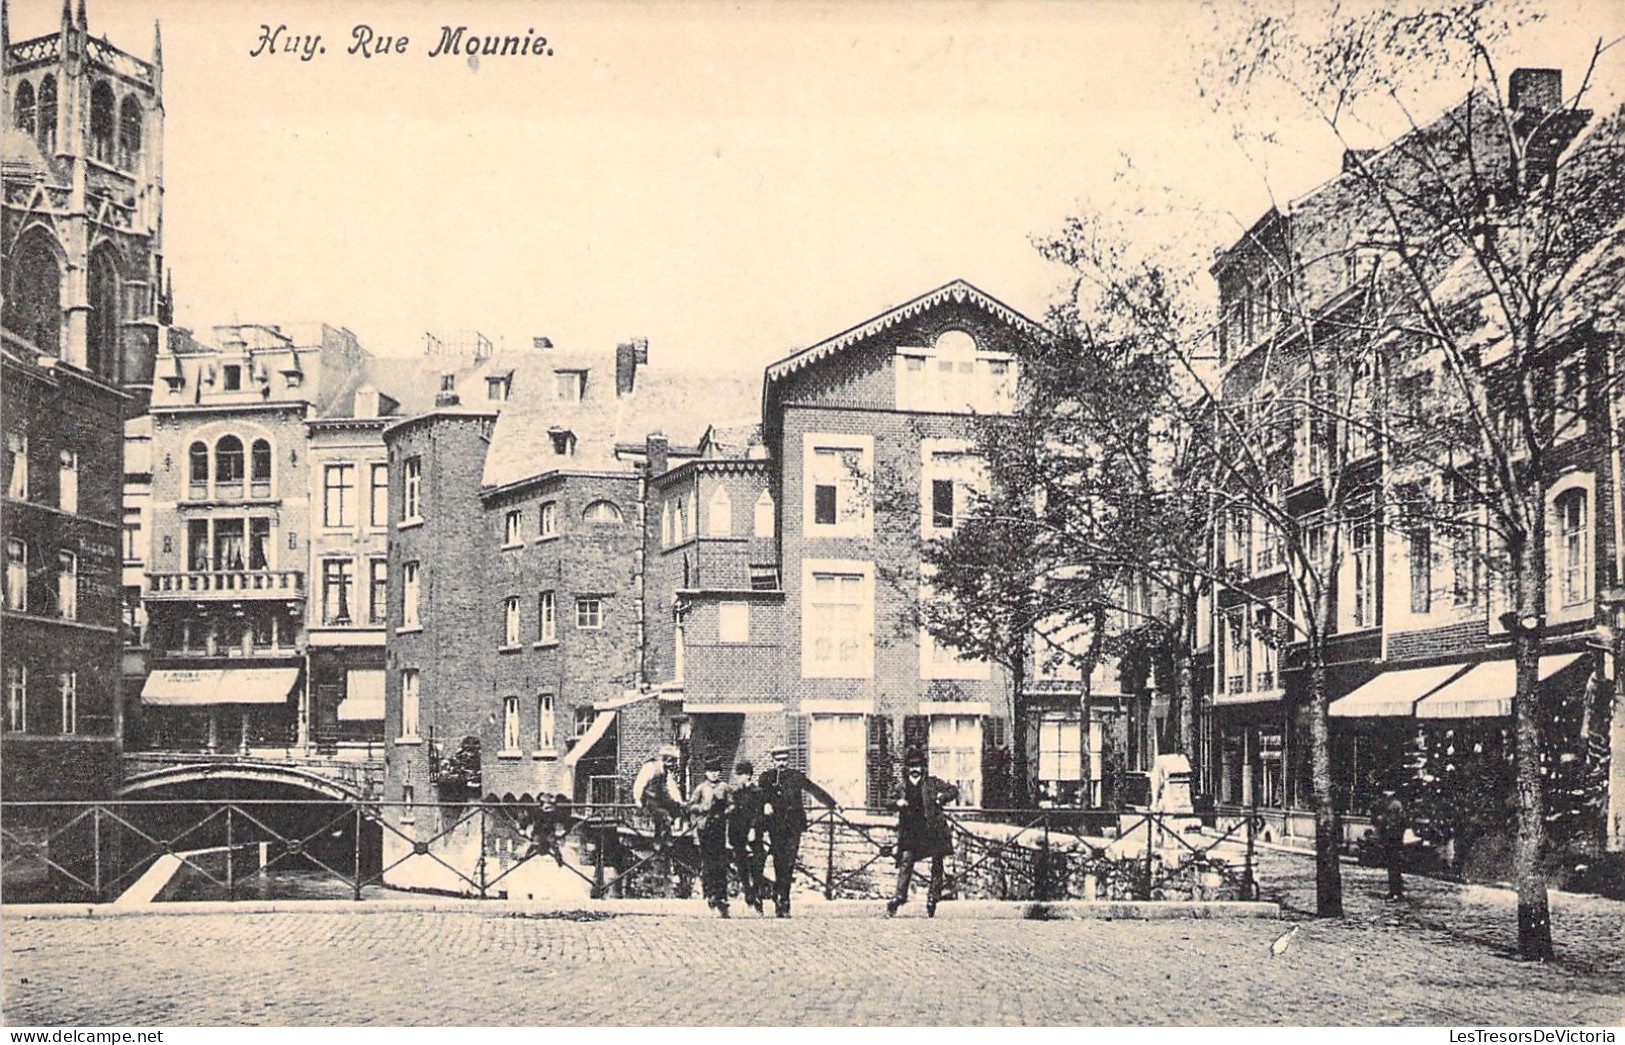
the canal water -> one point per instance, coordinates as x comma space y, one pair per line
283, 881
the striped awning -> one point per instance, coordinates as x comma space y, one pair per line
1393, 693
1487, 690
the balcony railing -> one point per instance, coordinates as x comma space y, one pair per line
227, 584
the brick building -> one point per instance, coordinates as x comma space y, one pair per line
516, 622
81, 257
1419, 648
787, 557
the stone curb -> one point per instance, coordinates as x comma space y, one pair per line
955, 910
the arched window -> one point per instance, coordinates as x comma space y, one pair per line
719, 514
1574, 539
602, 512
103, 352
101, 123
228, 460
198, 465
129, 132
33, 302
260, 468
25, 108
47, 115
762, 526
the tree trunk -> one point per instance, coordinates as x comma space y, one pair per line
1534, 911
1183, 693
1328, 847
1020, 792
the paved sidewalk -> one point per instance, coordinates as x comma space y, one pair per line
1394, 964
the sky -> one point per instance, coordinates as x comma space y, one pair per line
733, 181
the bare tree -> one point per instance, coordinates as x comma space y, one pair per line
1478, 224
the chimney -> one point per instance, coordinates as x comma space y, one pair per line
1535, 89
1352, 158
367, 402
627, 359
641, 345
655, 448
448, 392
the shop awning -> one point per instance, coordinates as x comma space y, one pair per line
202, 687
588, 740
363, 696
1393, 693
1486, 691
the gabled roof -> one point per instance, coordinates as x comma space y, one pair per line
956, 292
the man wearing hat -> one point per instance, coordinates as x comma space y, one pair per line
657, 792
708, 807
745, 833
786, 820
922, 829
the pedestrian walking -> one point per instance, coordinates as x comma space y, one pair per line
786, 818
708, 807
922, 830
745, 835
1392, 823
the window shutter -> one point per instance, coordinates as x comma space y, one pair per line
917, 733
880, 761
796, 736
995, 764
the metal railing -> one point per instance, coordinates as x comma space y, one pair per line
96, 851
226, 583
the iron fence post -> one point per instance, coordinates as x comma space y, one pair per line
483, 883
1041, 886
598, 866
1148, 829
96, 842
357, 841
1249, 887
829, 862
231, 858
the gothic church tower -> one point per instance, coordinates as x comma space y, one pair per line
81, 241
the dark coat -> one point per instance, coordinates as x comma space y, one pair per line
782, 790
1390, 820
922, 823
745, 814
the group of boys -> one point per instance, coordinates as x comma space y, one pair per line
752, 817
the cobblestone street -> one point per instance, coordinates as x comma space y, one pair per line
1438, 958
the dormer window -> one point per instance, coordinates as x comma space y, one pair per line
572, 385
564, 442
496, 388
231, 378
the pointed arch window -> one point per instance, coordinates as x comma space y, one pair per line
33, 299
24, 101
47, 115
762, 524
719, 514
129, 132
102, 353
101, 122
